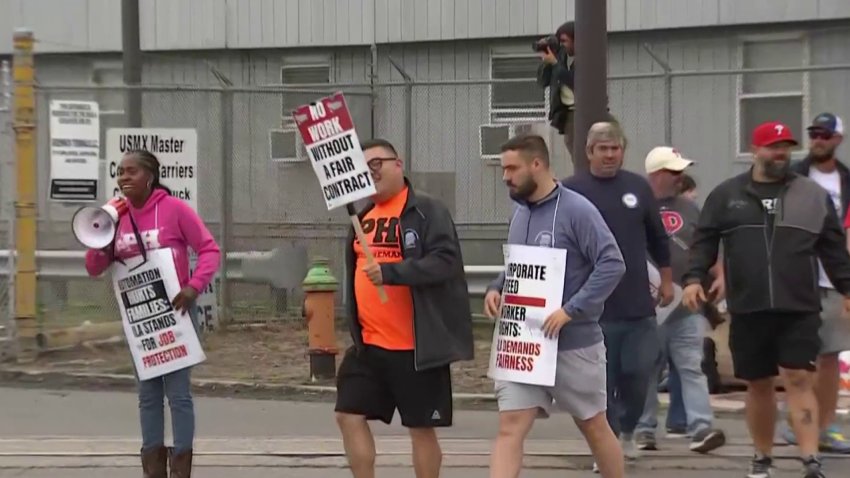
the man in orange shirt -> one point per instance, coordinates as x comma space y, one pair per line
402, 348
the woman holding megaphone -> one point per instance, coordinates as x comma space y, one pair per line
157, 219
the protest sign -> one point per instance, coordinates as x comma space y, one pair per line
533, 289
662, 313
332, 144
328, 133
74, 150
161, 339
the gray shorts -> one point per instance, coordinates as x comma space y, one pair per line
580, 386
835, 327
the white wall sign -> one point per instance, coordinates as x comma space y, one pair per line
177, 151
74, 150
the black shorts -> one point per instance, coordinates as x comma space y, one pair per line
377, 381
762, 342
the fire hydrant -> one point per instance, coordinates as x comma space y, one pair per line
319, 288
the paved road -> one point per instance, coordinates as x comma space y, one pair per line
381, 473
290, 436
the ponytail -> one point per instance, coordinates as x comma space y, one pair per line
151, 163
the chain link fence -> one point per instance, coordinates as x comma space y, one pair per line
257, 191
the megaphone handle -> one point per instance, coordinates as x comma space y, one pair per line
361, 236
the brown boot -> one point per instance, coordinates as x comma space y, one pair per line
155, 463
181, 465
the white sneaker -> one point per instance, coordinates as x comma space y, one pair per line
630, 450
595, 467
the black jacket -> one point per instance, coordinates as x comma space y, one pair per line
432, 266
555, 76
760, 278
803, 167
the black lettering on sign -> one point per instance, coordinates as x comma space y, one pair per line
513, 312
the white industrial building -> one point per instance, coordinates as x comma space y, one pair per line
703, 107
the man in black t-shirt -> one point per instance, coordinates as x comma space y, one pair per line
774, 225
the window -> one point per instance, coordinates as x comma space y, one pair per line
5, 84
772, 96
285, 143
516, 101
302, 73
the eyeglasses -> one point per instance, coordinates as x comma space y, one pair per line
820, 135
375, 164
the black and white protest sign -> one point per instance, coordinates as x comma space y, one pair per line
161, 339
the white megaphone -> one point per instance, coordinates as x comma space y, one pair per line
94, 227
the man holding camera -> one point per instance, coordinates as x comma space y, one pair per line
559, 75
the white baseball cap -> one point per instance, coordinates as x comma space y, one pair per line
665, 157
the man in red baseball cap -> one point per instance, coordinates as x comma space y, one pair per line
774, 225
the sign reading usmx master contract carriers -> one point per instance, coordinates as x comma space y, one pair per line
177, 151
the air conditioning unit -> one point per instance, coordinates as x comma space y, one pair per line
491, 137
286, 146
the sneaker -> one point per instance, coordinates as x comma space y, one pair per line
595, 467
646, 441
760, 467
630, 451
833, 441
812, 468
707, 440
677, 432
787, 434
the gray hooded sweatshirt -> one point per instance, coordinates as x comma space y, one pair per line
594, 262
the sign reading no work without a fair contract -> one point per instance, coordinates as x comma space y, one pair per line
332, 144
176, 149
533, 289
74, 150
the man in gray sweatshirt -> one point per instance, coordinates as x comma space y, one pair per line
549, 215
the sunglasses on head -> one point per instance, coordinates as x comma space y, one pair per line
816, 134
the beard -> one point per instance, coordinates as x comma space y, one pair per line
824, 156
523, 190
776, 169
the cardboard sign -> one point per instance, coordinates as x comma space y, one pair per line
533, 289
74, 150
332, 144
662, 313
161, 340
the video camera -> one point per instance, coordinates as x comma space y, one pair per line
550, 42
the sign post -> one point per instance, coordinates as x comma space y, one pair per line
74, 150
331, 141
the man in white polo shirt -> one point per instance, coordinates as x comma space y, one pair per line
823, 167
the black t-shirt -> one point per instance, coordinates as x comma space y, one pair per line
769, 195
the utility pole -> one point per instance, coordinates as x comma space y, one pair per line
26, 208
132, 62
591, 79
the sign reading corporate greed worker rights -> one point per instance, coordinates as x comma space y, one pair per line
74, 150
176, 149
161, 339
328, 133
533, 289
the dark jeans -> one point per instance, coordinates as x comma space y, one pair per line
631, 350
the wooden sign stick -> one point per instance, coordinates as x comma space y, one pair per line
361, 236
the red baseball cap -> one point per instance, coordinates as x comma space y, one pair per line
772, 132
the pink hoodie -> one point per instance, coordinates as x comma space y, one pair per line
164, 221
